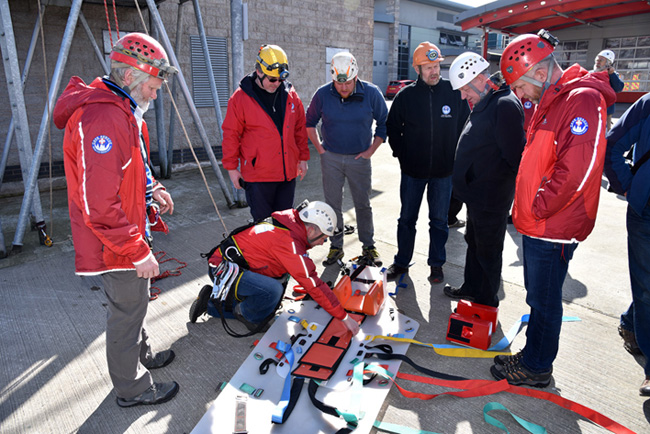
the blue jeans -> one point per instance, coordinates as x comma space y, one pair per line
411, 191
638, 248
335, 168
258, 295
545, 267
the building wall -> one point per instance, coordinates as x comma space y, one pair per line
304, 28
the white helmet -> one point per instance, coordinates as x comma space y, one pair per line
344, 67
465, 68
608, 54
320, 214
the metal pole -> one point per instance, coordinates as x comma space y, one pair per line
172, 118
17, 101
28, 64
208, 63
38, 149
98, 52
190, 103
3, 250
237, 46
160, 117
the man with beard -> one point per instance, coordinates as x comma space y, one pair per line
605, 62
110, 189
557, 189
424, 123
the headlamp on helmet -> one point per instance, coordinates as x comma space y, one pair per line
344, 67
144, 53
273, 61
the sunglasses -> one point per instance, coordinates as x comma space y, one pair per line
273, 79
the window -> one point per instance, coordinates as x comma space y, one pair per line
403, 52
632, 61
200, 82
446, 17
447, 38
569, 52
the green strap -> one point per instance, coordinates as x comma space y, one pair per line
528, 426
355, 414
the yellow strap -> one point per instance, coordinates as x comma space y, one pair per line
445, 350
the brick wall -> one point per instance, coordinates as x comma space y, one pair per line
304, 28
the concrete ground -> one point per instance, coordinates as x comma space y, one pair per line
53, 375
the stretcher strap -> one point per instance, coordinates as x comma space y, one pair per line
491, 387
278, 412
351, 420
456, 351
528, 426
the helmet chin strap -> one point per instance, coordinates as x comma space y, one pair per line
544, 85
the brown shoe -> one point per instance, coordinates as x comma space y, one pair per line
629, 341
644, 390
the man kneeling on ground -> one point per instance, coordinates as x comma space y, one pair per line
268, 250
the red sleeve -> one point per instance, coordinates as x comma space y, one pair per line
301, 132
580, 130
302, 268
233, 128
106, 150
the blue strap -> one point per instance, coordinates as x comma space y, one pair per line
279, 410
528, 426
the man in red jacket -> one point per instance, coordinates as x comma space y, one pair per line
110, 187
557, 189
267, 251
264, 135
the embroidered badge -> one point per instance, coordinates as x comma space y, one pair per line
528, 105
102, 144
579, 126
446, 109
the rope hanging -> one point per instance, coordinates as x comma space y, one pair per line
108, 22
187, 137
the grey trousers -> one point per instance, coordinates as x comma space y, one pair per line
127, 342
335, 168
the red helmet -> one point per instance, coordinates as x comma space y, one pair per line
425, 53
144, 53
522, 54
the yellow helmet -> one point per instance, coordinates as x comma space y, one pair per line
273, 62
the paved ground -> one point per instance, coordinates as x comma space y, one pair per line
53, 376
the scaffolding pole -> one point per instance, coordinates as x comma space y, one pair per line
28, 64
172, 118
19, 112
190, 102
75, 9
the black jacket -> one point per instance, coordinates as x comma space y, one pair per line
424, 124
489, 151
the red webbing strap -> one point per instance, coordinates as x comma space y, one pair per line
475, 388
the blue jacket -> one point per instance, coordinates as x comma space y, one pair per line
632, 129
347, 123
618, 85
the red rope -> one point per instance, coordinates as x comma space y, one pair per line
108, 23
154, 291
117, 28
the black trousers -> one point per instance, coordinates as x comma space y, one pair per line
484, 235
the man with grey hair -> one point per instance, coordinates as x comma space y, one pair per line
111, 194
487, 159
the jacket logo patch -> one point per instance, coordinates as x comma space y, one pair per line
579, 126
446, 110
293, 108
528, 105
102, 144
